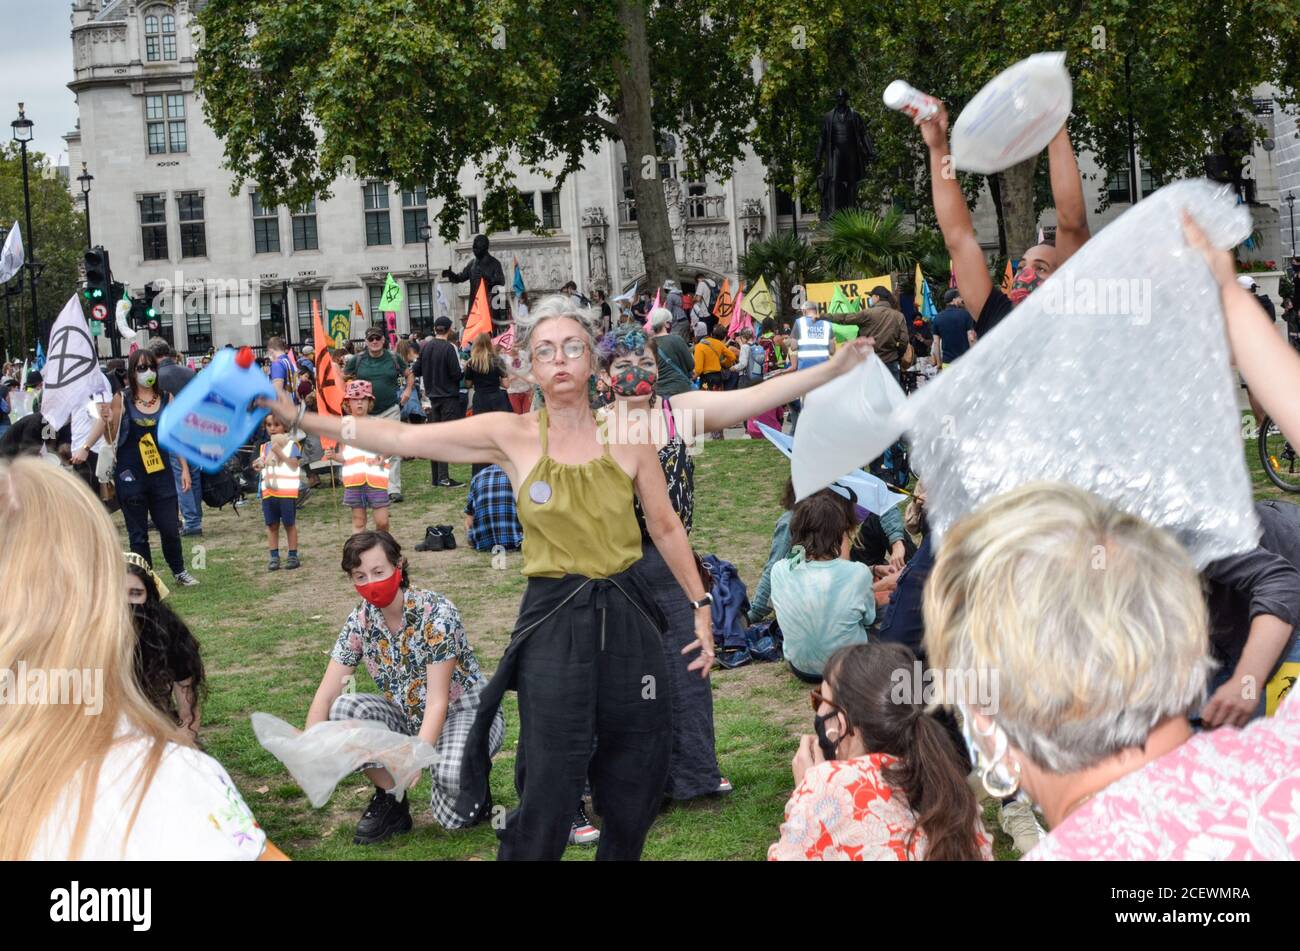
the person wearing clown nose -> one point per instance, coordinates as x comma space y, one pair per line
417, 652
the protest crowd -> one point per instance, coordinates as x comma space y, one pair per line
1129, 720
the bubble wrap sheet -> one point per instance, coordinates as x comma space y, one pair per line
319, 757
1135, 402
1113, 376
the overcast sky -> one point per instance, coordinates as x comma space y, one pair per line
35, 68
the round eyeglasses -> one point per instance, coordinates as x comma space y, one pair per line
573, 349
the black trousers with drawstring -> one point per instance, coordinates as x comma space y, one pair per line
587, 661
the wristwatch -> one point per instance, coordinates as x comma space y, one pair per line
704, 601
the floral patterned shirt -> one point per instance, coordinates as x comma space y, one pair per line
1225, 794
397, 663
845, 811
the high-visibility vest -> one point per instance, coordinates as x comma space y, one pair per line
279, 480
814, 343
361, 468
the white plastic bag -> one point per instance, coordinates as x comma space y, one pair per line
872, 494
319, 757
844, 424
1014, 116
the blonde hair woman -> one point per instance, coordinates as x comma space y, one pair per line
1094, 624
91, 769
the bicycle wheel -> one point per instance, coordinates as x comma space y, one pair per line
1278, 458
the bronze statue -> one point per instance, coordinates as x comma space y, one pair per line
843, 154
485, 269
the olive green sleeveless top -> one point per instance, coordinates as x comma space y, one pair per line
577, 518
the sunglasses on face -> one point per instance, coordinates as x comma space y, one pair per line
818, 700
573, 349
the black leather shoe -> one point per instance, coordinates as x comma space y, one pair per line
384, 817
433, 539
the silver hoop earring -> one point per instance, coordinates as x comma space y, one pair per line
1011, 789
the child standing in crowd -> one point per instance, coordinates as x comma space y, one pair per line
278, 462
365, 474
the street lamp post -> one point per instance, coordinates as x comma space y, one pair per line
22, 134
426, 233
1290, 203
86, 178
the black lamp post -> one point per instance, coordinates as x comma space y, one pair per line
22, 129
86, 178
425, 234
1290, 203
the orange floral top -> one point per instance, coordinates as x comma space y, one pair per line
845, 811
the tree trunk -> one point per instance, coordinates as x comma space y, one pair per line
636, 129
1016, 187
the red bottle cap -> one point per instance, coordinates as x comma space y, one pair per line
244, 357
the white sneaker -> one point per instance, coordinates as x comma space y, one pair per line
1019, 821
186, 579
582, 832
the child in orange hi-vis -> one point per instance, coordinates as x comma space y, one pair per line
365, 474
278, 462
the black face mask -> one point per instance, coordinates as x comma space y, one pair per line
825, 742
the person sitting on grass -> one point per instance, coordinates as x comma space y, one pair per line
168, 665
416, 650
823, 600
1098, 673
879, 779
278, 461
365, 474
491, 517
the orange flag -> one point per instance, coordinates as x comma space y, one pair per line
1007, 278
722, 306
329, 388
480, 318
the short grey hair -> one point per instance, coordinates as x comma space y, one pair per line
659, 316
1093, 620
549, 308
159, 347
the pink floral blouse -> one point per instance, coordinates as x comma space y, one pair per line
845, 811
1224, 794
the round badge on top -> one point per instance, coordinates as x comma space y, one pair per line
540, 492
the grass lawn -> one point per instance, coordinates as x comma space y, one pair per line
266, 638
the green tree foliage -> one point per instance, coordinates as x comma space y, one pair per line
1191, 65
60, 238
415, 91
785, 262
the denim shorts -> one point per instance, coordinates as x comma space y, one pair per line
365, 497
280, 511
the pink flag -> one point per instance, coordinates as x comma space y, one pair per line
739, 317
507, 340
658, 300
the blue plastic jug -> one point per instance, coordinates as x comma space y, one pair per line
212, 418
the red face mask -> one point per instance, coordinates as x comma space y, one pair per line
1024, 284
381, 593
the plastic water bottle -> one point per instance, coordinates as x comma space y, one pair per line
212, 417
909, 100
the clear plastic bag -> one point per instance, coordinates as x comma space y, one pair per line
1114, 376
319, 757
1014, 116
844, 424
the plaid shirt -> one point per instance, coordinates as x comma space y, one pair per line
491, 503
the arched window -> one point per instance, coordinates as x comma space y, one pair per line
159, 35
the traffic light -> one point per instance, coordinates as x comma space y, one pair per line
99, 277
